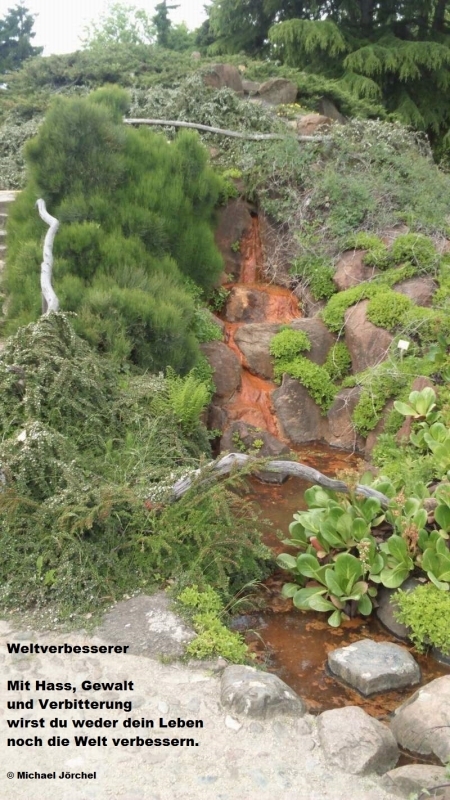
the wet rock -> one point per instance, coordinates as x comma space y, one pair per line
372, 667
254, 340
422, 723
299, 416
226, 368
278, 90
356, 742
246, 690
368, 344
387, 607
247, 435
233, 221
148, 626
351, 270
413, 778
341, 432
246, 305
308, 124
220, 76
419, 290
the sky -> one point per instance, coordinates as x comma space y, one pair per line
60, 22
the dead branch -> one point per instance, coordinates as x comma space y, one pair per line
225, 464
50, 301
257, 137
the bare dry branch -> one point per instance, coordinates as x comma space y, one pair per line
257, 137
50, 301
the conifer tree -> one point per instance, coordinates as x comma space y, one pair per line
135, 214
16, 33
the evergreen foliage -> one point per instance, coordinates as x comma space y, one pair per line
135, 215
16, 33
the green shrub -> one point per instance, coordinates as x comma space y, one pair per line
316, 273
426, 612
417, 249
288, 343
338, 362
136, 215
388, 309
377, 254
213, 637
313, 377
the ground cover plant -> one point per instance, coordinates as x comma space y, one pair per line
87, 461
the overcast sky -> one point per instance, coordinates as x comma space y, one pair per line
61, 22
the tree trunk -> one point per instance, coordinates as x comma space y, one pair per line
171, 123
439, 16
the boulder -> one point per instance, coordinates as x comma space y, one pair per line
308, 124
247, 435
226, 369
250, 87
422, 723
220, 76
372, 667
246, 305
247, 691
386, 608
217, 418
351, 270
328, 109
356, 742
419, 290
299, 416
412, 779
277, 91
233, 221
254, 342
368, 344
341, 432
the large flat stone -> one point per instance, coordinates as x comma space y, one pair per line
148, 625
300, 417
372, 667
413, 778
368, 344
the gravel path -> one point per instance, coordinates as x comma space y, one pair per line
233, 759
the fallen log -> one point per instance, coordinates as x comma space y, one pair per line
257, 137
232, 461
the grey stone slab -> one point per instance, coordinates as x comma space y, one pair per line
246, 690
372, 667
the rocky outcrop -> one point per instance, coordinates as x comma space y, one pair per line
341, 431
278, 90
254, 343
351, 270
220, 76
356, 742
368, 344
247, 691
328, 109
297, 413
308, 124
226, 369
419, 290
422, 724
309, 305
250, 87
372, 667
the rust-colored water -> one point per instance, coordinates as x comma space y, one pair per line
252, 403
251, 254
